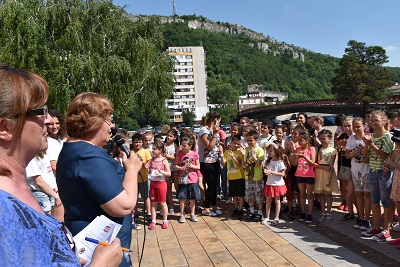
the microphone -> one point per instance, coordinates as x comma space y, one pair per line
120, 141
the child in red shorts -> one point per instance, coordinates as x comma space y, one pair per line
158, 171
275, 186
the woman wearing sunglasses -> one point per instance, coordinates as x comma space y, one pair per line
29, 236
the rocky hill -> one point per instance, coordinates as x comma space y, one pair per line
264, 43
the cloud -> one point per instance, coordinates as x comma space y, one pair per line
391, 48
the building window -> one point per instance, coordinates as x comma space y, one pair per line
189, 57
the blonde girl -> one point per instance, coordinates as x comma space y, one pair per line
325, 177
360, 173
275, 186
158, 172
305, 176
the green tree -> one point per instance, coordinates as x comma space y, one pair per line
88, 45
360, 76
188, 117
222, 94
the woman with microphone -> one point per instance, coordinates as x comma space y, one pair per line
91, 183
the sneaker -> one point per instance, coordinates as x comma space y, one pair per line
396, 227
358, 223
328, 217
193, 218
182, 219
235, 213
346, 208
394, 241
240, 214
218, 212
342, 205
219, 197
136, 226
302, 217
152, 226
258, 218
322, 217
209, 213
371, 232
383, 236
250, 217
308, 219
228, 201
164, 225
365, 225
171, 210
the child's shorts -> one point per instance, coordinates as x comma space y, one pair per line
46, 201
189, 191
361, 183
236, 188
274, 191
158, 191
307, 180
143, 189
380, 186
254, 191
344, 173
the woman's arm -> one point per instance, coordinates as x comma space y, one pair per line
123, 204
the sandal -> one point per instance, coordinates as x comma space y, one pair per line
347, 217
322, 217
275, 222
328, 217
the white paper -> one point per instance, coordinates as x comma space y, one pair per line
102, 229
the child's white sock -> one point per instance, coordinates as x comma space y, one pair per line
165, 221
154, 221
251, 209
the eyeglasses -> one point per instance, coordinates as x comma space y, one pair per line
43, 111
109, 121
376, 121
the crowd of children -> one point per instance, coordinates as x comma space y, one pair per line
300, 160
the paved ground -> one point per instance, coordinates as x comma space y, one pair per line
222, 241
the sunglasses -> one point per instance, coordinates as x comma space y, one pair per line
70, 238
43, 111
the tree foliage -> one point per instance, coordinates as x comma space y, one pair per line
360, 77
88, 45
188, 117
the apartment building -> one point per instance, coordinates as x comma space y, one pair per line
190, 93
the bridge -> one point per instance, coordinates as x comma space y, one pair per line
330, 106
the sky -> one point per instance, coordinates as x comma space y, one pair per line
322, 26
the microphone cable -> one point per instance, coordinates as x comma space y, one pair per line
144, 215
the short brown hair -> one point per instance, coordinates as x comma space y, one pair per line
20, 91
86, 114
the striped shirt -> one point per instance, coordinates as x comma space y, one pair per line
385, 144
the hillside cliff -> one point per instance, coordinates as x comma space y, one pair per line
264, 43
